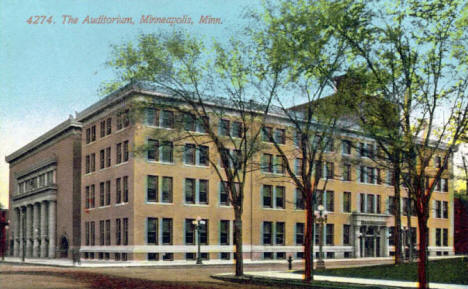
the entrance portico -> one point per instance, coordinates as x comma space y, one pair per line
370, 235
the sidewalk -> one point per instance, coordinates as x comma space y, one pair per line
278, 275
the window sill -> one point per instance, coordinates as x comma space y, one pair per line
121, 204
158, 203
197, 166
121, 164
160, 162
196, 205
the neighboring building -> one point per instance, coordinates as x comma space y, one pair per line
460, 168
140, 192
461, 226
45, 193
4, 223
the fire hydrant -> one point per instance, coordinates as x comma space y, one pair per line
289, 263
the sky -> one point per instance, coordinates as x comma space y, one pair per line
51, 70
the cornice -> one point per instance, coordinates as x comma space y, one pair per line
44, 139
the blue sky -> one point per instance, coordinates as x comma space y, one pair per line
48, 71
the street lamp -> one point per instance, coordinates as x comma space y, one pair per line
321, 218
197, 223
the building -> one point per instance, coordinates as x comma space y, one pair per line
45, 193
3, 232
140, 193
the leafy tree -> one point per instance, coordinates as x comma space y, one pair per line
415, 57
192, 74
296, 40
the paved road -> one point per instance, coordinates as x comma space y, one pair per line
190, 277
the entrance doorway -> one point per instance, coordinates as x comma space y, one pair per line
370, 241
64, 248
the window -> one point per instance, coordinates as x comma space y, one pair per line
87, 233
202, 123
108, 157
237, 129
125, 151
445, 237
118, 190
362, 203
279, 233
330, 201
101, 233
108, 193
203, 156
224, 232
267, 233
378, 204
438, 237
223, 194
329, 234
347, 172
225, 158
118, 232
370, 204
438, 209
118, 153
267, 196
371, 175
280, 136
189, 122
279, 196
166, 152
152, 188
93, 162
152, 231
153, 150
189, 154
346, 234
346, 147
93, 234
152, 117
167, 231
93, 133
300, 205
346, 202
445, 210
279, 165
329, 144
379, 176
189, 232
109, 126
167, 119
445, 187
101, 159
392, 206
297, 138
125, 189
190, 191
299, 233
203, 192
88, 135
101, 194
166, 196
224, 127
108, 233
267, 163
103, 128
125, 231
267, 132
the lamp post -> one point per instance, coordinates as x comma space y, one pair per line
321, 218
197, 223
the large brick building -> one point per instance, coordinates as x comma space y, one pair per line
139, 193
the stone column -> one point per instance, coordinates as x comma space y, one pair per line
28, 230
52, 231
44, 232
356, 241
22, 211
384, 241
36, 230
17, 232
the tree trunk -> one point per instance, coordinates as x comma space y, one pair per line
309, 240
423, 242
397, 235
238, 244
409, 234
